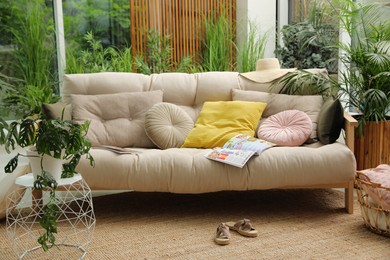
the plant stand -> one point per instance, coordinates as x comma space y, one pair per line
75, 223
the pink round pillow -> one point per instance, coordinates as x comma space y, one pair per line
286, 128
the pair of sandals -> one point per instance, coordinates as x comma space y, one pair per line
243, 227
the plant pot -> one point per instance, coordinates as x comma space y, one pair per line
373, 147
50, 164
35, 161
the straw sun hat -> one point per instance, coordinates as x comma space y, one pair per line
267, 70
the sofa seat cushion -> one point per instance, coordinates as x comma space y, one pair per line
186, 170
167, 125
220, 121
116, 119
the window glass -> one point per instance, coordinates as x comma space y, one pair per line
109, 21
28, 74
310, 39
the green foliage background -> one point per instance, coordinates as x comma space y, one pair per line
97, 35
311, 43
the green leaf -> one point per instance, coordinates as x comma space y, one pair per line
12, 164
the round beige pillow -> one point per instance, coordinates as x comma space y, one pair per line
167, 125
286, 128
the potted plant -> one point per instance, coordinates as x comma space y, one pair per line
365, 84
60, 139
56, 138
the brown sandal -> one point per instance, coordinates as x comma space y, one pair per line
243, 227
222, 236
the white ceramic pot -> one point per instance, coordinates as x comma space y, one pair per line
50, 164
35, 161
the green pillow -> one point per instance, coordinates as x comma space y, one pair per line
330, 121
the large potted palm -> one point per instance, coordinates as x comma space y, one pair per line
365, 83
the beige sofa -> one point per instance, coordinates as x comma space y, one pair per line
186, 170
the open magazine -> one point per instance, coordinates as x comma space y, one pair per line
238, 150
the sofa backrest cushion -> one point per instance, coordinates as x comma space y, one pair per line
247, 84
219, 121
215, 86
103, 83
167, 125
116, 119
276, 103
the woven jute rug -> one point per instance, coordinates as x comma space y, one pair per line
292, 224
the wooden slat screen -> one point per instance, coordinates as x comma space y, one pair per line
182, 20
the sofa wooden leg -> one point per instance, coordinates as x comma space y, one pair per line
349, 198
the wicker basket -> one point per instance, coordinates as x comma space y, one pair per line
370, 194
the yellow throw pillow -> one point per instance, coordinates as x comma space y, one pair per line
220, 121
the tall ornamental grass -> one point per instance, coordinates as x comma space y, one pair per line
252, 49
218, 45
33, 64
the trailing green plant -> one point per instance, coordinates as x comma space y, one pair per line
32, 34
251, 50
97, 58
158, 57
218, 44
50, 211
365, 84
310, 43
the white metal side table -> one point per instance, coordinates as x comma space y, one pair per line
75, 222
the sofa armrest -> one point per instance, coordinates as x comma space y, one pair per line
350, 124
